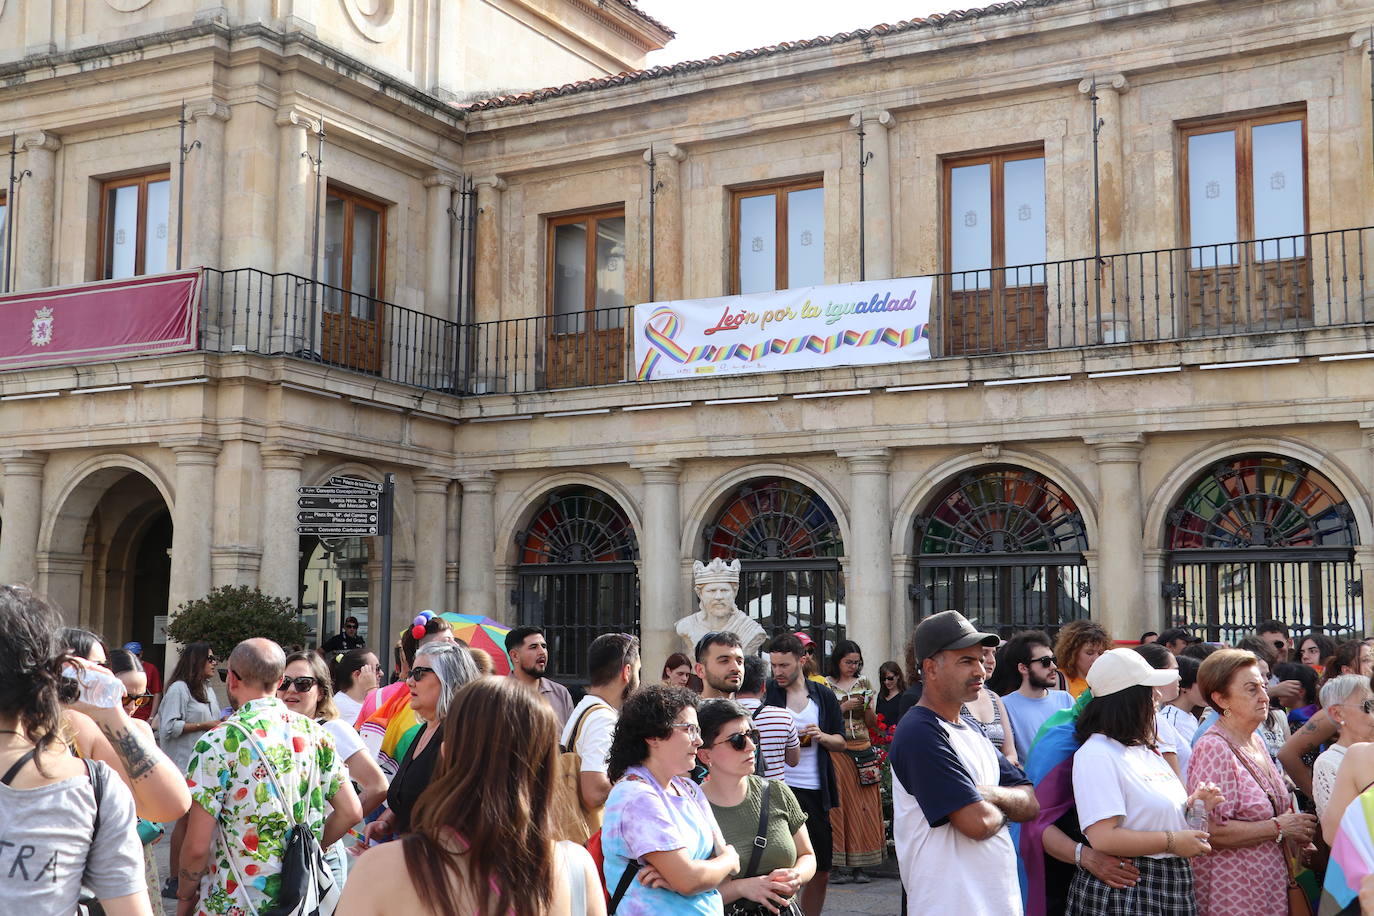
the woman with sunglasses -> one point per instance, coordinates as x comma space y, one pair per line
889, 702
439, 670
659, 835
125, 666
187, 711
306, 689
786, 863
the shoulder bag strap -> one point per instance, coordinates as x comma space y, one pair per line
97, 777
577, 726
19, 765
1250, 767
267, 765
760, 841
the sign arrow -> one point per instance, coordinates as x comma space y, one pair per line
355, 483
333, 502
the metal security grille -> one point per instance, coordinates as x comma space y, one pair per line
788, 544
1004, 546
1261, 537
577, 576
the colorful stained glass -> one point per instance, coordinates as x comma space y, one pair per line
774, 519
579, 525
1002, 509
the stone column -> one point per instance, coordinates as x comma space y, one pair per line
903, 613
661, 585
439, 245
489, 275
1158, 610
453, 527
877, 193
23, 515
201, 228
868, 584
431, 509
192, 519
1112, 201
281, 473
668, 214
1118, 597
33, 254
476, 582
295, 190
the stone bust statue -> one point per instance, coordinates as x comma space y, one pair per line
716, 585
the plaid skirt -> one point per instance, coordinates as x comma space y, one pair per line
1165, 888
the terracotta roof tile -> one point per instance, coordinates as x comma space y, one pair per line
934, 21
634, 8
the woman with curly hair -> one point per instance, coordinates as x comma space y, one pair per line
483, 831
1079, 644
657, 822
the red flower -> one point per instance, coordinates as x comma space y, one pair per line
298, 743
241, 794
250, 842
252, 868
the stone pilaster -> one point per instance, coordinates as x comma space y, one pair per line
439, 245
868, 581
296, 131
878, 237
431, 509
1112, 197
668, 216
33, 252
281, 474
23, 514
489, 276
201, 228
192, 519
661, 584
476, 582
1118, 599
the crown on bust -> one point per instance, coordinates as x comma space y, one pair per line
715, 571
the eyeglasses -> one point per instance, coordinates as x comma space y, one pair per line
302, 684
212, 659
350, 626
1279, 644
691, 728
889, 677
138, 700
1046, 660
738, 738
418, 672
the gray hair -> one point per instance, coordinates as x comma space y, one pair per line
1339, 689
453, 666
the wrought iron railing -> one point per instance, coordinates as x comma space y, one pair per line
1315, 280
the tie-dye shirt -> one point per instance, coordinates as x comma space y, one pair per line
642, 818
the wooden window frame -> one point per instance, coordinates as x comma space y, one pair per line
996, 159
780, 190
351, 200
141, 181
1243, 125
590, 218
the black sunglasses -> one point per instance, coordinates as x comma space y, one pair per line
419, 671
302, 684
138, 700
738, 738
1046, 660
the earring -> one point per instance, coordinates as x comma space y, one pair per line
1226, 711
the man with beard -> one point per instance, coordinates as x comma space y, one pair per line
1029, 653
720, 665
529, 659
812, 780
953, 793
613, 659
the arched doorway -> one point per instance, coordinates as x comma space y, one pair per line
1004, 546
577, 576
1259, 537
789, 547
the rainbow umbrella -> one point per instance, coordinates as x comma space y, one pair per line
482, 633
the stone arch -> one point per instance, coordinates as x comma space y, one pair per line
935, 479
1172, 487
714, 497
527, 502
64, 523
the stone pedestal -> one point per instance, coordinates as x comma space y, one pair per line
661, 586
23, 513
868, 583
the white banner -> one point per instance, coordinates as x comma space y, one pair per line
850, 324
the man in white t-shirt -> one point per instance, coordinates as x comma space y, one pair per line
953, 792
1030, 653
613, 660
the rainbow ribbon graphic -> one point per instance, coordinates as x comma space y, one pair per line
664, 325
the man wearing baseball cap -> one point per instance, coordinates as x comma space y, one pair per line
953, 792
154, 682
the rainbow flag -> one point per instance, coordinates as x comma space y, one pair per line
1352, 858
388, 728
1049, 767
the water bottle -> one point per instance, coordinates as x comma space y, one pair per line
1196, 815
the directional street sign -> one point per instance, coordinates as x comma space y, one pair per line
355, 483
335, 491
332, 501
335, 517
337, 531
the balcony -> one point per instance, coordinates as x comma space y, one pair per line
1218, 295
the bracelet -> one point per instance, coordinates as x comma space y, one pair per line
1169, 841
1078, 855
1278, 830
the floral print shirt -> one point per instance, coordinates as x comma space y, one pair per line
230, 781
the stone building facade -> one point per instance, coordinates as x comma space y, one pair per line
1085, 422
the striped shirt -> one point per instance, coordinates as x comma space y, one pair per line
777, 732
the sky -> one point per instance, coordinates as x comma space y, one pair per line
707, 27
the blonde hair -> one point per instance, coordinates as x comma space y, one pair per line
482, 659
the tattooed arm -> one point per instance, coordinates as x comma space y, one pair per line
195, 858
159, 787
1318, 730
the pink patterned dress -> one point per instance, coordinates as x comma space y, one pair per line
1238, 882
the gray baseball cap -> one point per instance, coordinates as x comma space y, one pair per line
948, 630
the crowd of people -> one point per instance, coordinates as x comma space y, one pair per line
1031, 774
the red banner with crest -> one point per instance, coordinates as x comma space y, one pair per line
95, 322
